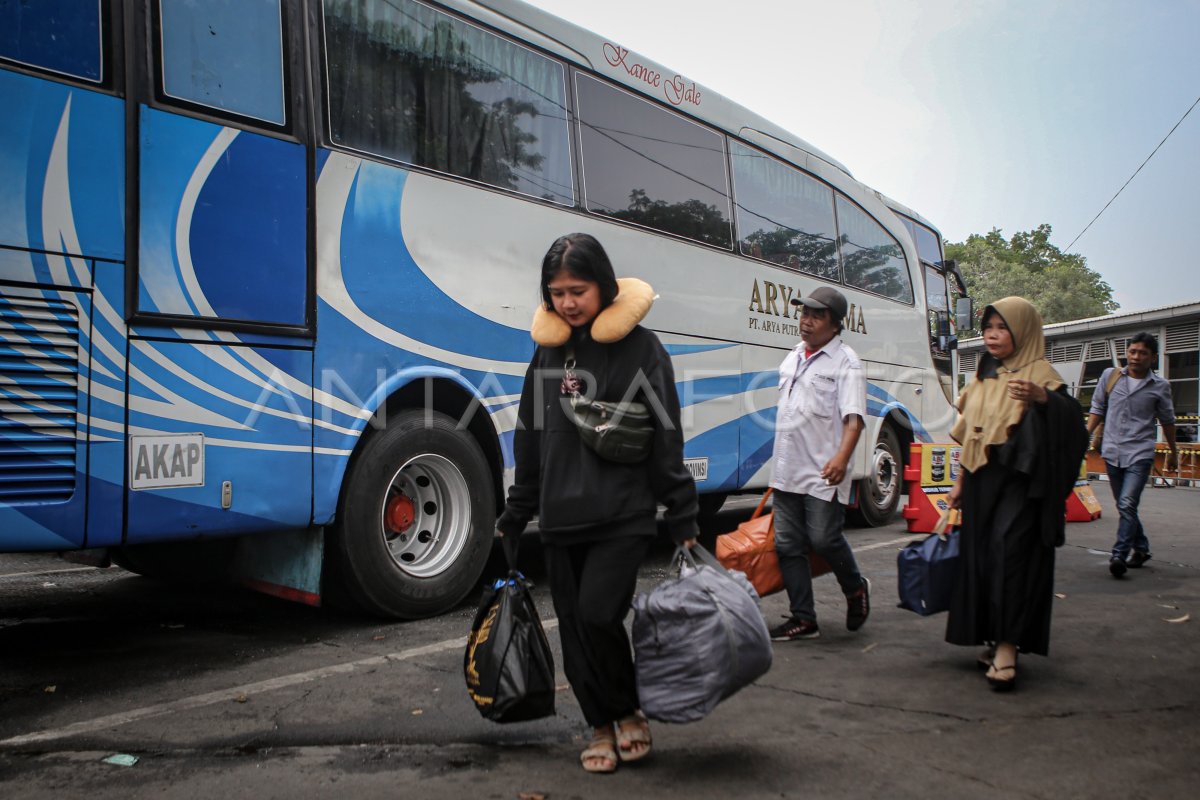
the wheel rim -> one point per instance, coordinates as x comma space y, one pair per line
425, 516
887, 478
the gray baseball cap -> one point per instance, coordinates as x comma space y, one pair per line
825, 297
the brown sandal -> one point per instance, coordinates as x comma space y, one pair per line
602, 749
632, 731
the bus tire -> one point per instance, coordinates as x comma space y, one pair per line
416, 519
879, 491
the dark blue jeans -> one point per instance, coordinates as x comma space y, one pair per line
805, 524
1127, 484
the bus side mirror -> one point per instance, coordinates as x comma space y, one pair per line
964, 313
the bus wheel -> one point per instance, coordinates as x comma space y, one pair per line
416, 518
879, 490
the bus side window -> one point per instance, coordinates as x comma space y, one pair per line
414, 84
936, 297
929, 248
60, 36
226, 55
646, 165
871, 258
784, 216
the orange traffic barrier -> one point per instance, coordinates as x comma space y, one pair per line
932, 470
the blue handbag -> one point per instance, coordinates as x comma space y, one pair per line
927, 573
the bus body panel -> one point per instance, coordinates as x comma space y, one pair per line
381, 226
253, 410
385, 323
62, 166
222, 231
712, 404
109, 376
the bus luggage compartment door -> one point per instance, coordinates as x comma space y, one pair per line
220, 440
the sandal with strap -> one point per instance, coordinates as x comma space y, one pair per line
1002, 684
632, 731
602, 752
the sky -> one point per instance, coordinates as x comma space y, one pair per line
978, 114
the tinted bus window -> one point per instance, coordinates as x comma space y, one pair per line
783, 215
936, 297
413, 84
644, 164
929, 247
225, 54
62, 36
871, 258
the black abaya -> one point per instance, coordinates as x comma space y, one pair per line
1013, 512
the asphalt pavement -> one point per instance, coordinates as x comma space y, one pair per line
217, 692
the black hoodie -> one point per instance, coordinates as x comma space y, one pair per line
577, 495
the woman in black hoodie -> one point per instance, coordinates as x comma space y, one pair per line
597, 517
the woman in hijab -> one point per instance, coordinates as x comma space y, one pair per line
1023, 439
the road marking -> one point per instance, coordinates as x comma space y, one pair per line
879, 545
270, 685
234, 693
45, 572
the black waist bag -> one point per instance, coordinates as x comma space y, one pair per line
508, 665
620, 432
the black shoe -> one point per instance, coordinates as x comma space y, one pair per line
1138, 558
858, 606
795, 629
1116, 565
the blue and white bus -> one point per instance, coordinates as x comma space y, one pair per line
267, 269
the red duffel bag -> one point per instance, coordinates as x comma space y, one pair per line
751, 549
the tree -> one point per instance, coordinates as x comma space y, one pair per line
691, 218
1060, 285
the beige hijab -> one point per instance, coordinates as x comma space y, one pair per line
988, 413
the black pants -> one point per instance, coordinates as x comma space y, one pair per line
592, 585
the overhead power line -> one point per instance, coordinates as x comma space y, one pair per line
1134, 175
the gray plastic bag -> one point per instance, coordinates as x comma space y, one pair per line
697, 639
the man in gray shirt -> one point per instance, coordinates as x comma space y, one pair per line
1128, 409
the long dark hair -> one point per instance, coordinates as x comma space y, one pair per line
582, 256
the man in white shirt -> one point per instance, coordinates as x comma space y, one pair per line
822, 403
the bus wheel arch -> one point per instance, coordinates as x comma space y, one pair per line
454, 401
417, 509
880, 489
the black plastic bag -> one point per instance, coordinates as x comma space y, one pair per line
508, 664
